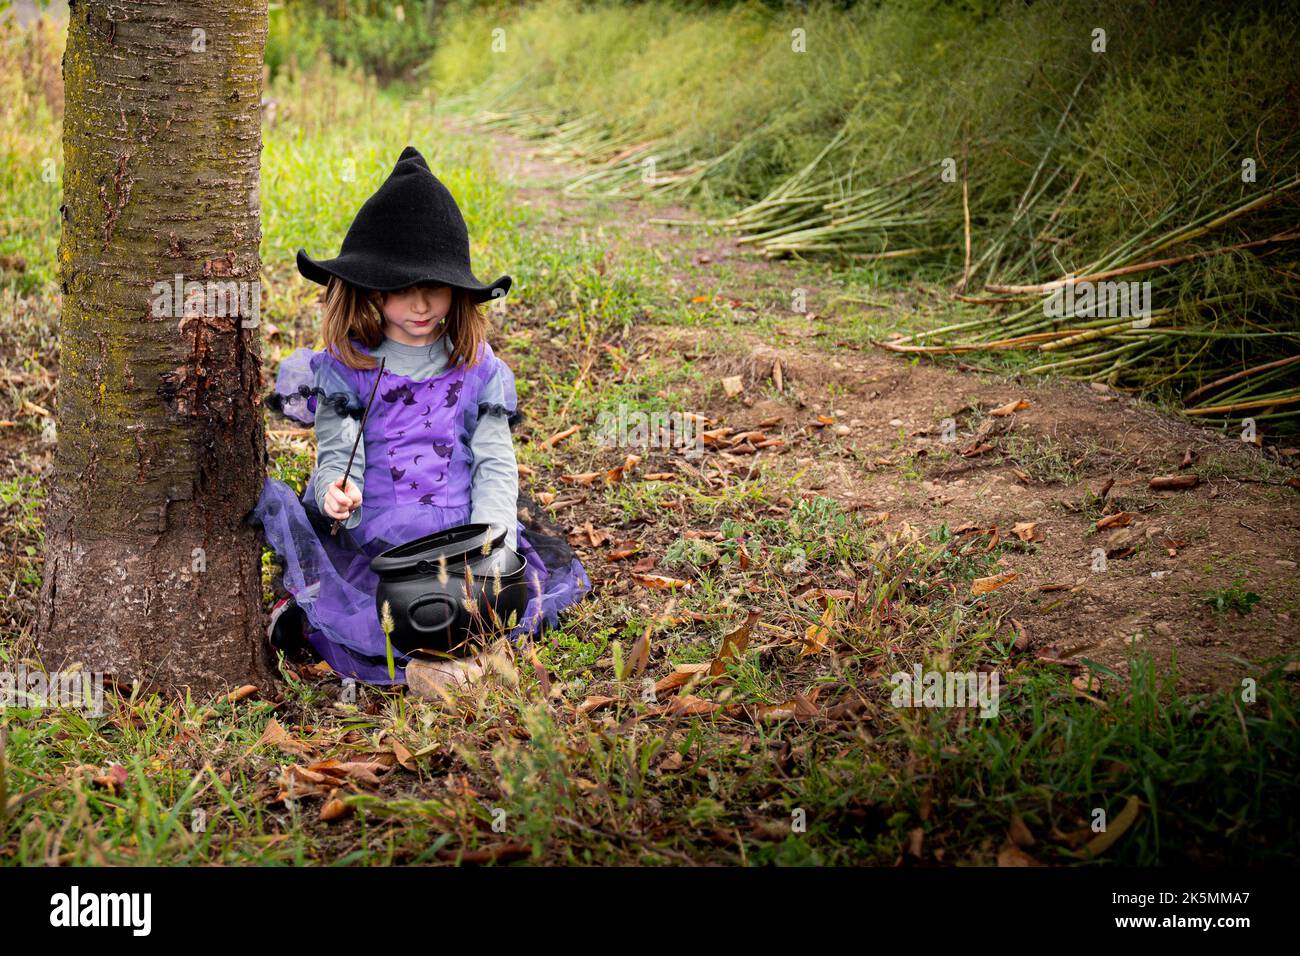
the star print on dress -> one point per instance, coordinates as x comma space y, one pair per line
415, 485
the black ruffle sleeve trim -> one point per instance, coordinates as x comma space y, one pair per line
341, 402
494, 408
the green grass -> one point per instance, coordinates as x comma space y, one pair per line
1235, 597
630, 782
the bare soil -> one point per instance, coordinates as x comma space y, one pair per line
1074, 455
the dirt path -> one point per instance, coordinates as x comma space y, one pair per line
920, 445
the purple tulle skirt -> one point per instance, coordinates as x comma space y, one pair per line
331, 580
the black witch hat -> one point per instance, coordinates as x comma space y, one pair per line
408, 233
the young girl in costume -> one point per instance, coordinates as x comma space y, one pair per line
437, 449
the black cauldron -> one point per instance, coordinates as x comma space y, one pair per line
445, 588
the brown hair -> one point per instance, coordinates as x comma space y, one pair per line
351, 312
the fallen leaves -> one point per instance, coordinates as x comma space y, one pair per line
240, 693
733, 645
1010, 408
560, 436
276, 736
817, 636
586, 478
585, 535
325, 779
1027, 531
993, 582
1118, 520
1174, 482
622, 550
660, 582
1012, 856
113, 779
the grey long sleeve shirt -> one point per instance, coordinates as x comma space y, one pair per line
494, 475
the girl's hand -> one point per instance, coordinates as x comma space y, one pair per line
341, 501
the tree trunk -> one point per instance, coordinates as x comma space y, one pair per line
151, 573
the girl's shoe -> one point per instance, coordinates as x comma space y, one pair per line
287, 631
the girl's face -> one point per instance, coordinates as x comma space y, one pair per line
413, 316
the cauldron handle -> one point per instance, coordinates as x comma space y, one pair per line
449, 616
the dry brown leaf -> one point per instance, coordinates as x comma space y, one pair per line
112, 779
587, 478
1010, 408
733, 645
560, 436
594, 703
1012, 855
402, 755
1174, 482
1019, 832
682, 675
660, 581
823, 594
623, 550
1118, 520
733, 385
639, 657
334, 809
248, 690
1086, 683
277, 736
797, 707
615, 475
670, 763
816, 635
992, 582
688, 705
500, 853
1027, 531
366, 771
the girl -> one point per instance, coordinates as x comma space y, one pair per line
436, 450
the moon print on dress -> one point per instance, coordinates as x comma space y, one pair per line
402, 392
453, 394
442, 449
397, 473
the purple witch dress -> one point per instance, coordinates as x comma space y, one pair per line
416, 482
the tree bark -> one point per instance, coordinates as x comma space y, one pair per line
151, 572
